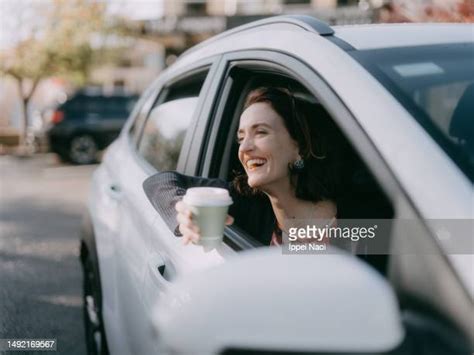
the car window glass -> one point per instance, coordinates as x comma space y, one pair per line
96, 104
81, 105
119, 106
73, 105
167, 123
129, 103
436, 85
164, 132
138, 112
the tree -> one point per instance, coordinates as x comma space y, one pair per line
428, 11
55, 40
460, 11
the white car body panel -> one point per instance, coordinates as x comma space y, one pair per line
401, 35
287, 302
127, 255
104, 211
129, 233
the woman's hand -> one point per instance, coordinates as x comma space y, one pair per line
187, 227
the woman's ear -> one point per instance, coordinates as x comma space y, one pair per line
296, 149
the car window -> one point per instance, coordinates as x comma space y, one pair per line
118, 106
104, 106
436, 85
139, 110
96, 104
361, 197
74, 107
168, 121
164, 132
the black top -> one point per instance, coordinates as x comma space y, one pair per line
252, 214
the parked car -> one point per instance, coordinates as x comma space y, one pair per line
402, 97
87, 123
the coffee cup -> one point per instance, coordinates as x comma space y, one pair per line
209, 206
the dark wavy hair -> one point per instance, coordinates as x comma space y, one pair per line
319, 140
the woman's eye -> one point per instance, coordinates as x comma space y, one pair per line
239, 140
261, 132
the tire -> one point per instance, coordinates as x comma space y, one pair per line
93, 322
83, 149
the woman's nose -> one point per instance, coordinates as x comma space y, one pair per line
246, 144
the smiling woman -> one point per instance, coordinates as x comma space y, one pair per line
289, 155
299, 136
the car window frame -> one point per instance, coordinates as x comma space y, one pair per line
303, 73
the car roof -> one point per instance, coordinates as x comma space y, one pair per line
404, 34
357, 37
285, 22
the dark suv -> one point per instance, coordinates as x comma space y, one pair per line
86, 123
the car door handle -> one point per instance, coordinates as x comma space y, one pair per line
115, 192
159, 269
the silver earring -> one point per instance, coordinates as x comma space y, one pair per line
298, 164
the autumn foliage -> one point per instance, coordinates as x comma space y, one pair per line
434, 11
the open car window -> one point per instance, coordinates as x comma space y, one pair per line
362, 196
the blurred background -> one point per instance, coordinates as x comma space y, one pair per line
51, 49
86, 62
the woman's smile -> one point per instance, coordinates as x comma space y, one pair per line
253, 164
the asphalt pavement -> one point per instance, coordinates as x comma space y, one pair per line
41, 206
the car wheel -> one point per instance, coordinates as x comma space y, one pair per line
93, 324
82, 149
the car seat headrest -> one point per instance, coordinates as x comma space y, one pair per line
462, 120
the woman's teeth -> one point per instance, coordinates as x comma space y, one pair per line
255, 163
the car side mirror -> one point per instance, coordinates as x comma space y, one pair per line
263, 300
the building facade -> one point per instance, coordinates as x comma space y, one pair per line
187, 22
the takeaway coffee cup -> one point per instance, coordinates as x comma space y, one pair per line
209, 206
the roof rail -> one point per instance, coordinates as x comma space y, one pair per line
308, 23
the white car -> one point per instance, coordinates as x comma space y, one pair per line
402, 96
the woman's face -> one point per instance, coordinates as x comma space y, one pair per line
266, 147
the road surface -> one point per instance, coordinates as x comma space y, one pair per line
41, 203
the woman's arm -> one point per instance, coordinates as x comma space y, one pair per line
165, 189
252, 214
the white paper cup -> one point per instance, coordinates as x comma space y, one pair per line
209, 206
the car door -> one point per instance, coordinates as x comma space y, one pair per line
149, 255
105, 209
